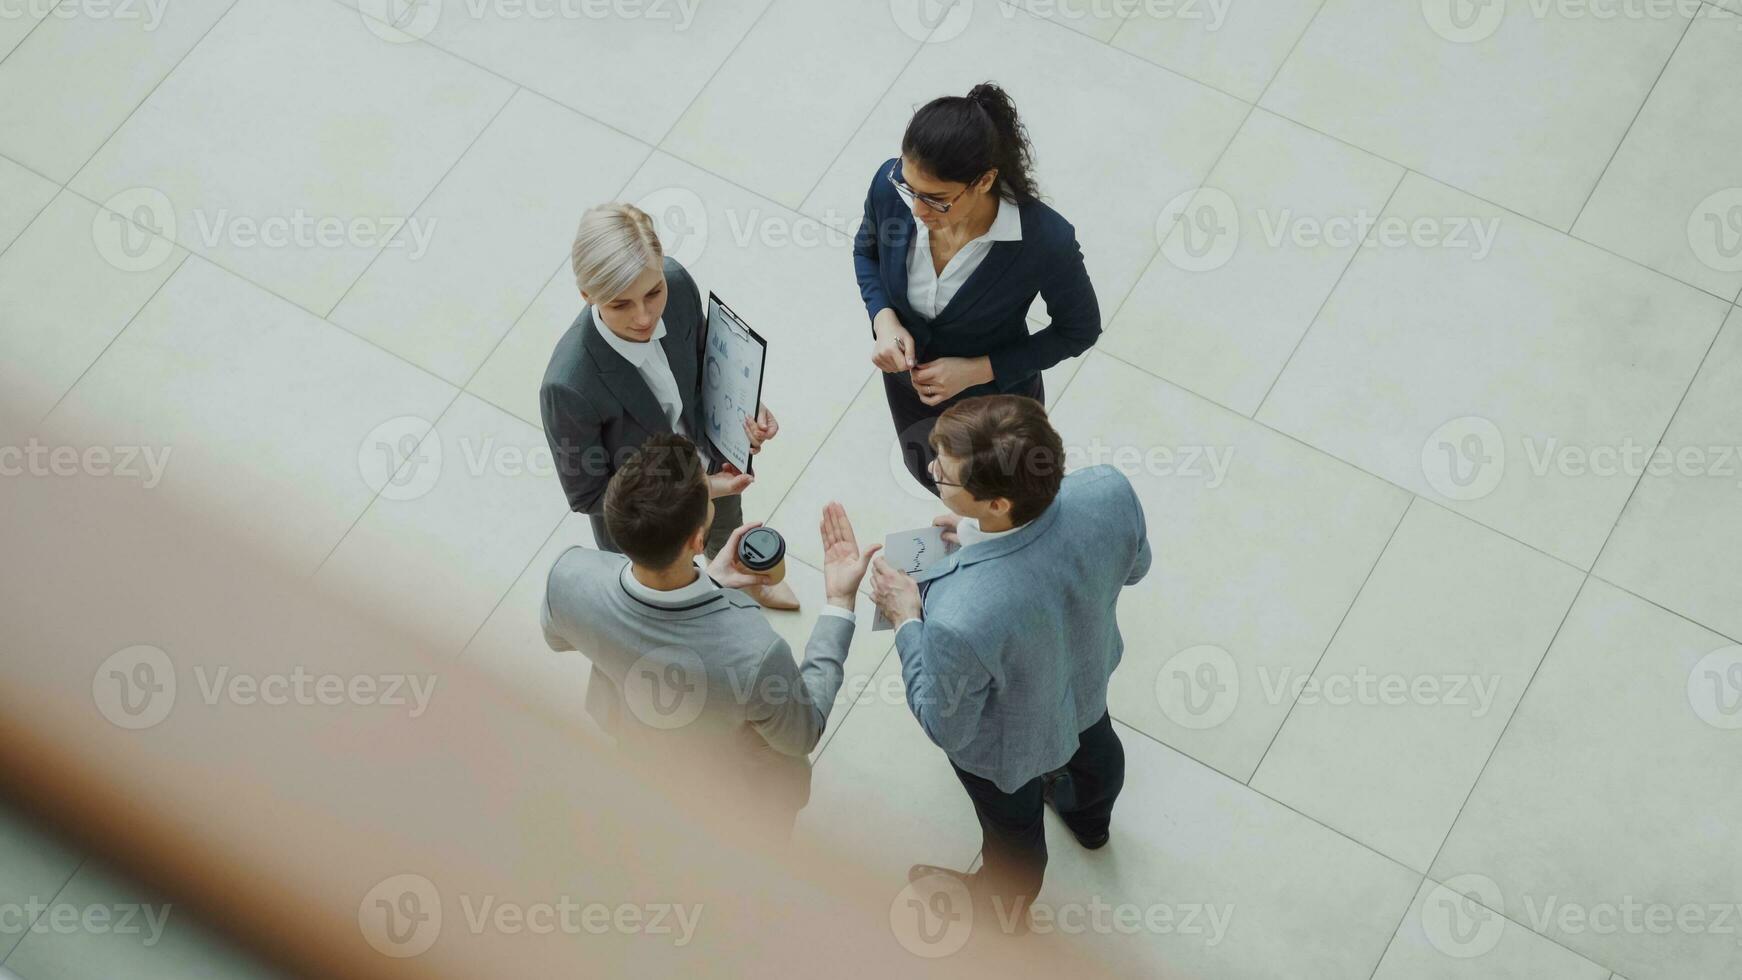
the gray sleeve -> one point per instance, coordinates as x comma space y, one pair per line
790, 703
553, 634
1140, 565
576, 438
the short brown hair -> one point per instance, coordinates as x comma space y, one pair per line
1006, 448
656, 500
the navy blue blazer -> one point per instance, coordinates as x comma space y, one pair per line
989, 315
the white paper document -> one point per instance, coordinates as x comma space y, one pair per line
732, 362
919, 550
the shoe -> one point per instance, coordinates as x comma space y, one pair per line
1060, 792
779, 597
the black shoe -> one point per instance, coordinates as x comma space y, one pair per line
1060, 792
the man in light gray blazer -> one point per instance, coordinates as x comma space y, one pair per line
1008, 645
684, 665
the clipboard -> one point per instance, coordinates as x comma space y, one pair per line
734, 361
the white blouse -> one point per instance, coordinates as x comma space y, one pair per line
928, 291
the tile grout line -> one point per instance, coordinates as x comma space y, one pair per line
1118, 51
1195, 761
1309, 818
1500, 740
1426, 500
825, 441
185, 256
46, 15
267, 289
845, 146
1397, 929
485, 619
653, 148
153, 91
1413, 496
1668, 425
1633, 122
1280, 65
1331, 641
1354, 256
702, 88
84, 859
459, 392
1498, 206
1476, 783
413, 211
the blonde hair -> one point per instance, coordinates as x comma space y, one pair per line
615, 244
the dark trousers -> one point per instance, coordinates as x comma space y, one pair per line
914, 419
728, 517
1010, 823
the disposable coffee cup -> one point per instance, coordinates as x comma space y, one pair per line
763, 551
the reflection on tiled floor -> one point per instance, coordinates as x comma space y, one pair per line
1421, 352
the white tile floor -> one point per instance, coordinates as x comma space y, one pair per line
1433, 678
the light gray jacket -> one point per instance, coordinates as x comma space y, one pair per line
1021, 633
711, 674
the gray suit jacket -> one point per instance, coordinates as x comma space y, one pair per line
709, 680
1021, 633
596, 408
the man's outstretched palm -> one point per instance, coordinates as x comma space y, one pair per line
843, 565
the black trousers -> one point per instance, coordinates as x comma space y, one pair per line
1011, 823
914, 419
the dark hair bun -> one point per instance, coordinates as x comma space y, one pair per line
959, 138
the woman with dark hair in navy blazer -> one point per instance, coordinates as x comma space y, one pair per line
954, 248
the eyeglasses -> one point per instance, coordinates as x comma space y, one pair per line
937, 475
910, 195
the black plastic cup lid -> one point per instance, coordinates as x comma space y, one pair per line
762, 549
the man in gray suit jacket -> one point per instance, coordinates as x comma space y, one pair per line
1008, 645
685, 669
